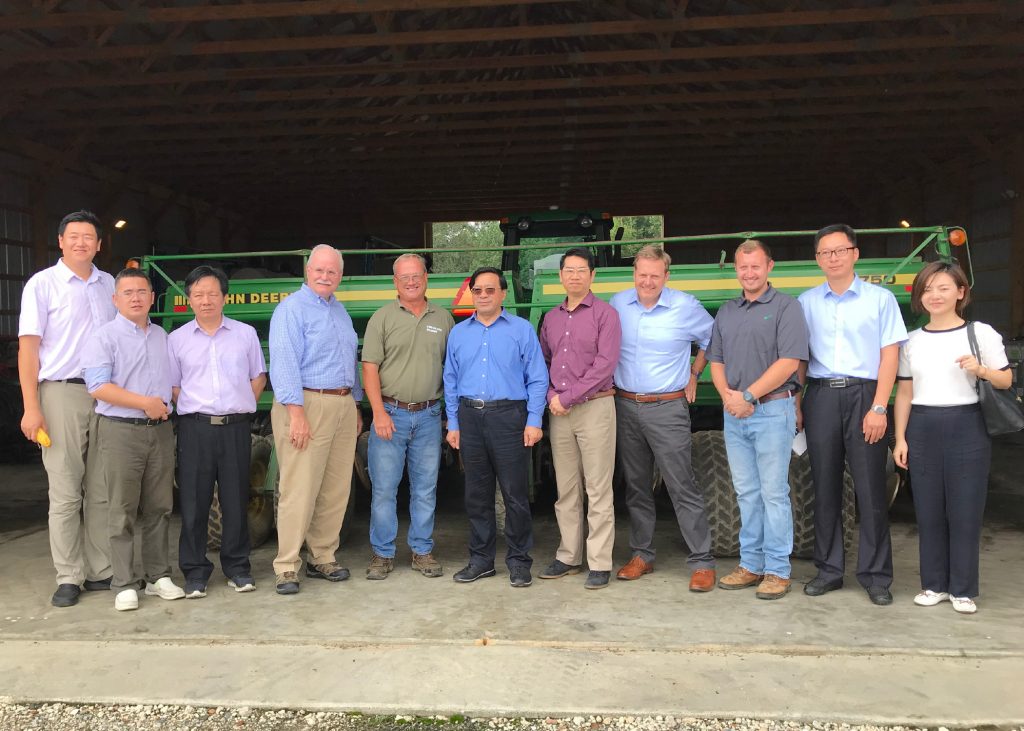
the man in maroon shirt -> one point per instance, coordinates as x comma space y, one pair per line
580, 339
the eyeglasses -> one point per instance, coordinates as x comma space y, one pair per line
406, 278
576, 270
132, 293
477, 291
835, 253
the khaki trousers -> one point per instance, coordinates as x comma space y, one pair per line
138, 462
583, 450
315, 483
78, 493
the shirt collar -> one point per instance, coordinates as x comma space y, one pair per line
501, 315
223, 325
429, 308
664, 299
67, 275
855, 288
767, 296
587, 301
126, 324
310, 293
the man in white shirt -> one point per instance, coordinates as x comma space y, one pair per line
61, 307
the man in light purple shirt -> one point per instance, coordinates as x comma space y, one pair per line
127, 371
217, 373
580, 340
60, 308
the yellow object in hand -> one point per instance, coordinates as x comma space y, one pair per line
43, 438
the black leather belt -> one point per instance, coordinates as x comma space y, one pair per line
841, 382
476, 403
412, 406
136, 422
79, 381
222, 420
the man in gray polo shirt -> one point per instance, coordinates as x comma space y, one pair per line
757, 344
403, 358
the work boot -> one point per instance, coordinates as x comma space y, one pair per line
557, 570
288, 583
740, 578
379, 568
427, 565
773, 587
332, 571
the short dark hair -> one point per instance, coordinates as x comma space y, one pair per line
583, 253
835, 228
203, 271
930, 270
502, 282
82, 216
128, 273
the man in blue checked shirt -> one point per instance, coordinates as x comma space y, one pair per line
316, 420
495, 384
654, 382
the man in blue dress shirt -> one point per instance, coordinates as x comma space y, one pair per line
856, 331
316, 420
655, 381
495, 383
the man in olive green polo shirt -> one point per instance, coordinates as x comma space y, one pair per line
403, 358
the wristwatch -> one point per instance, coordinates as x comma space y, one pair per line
749, 397
879, 409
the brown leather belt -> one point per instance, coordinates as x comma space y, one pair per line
329, 391
600, 394
411, 407
650, 398
777, 395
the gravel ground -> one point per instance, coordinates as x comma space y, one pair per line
71, 717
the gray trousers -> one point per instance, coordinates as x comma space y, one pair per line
78, 493
659, 433
138, 462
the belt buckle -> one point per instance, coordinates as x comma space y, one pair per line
837, 382
475, 401
217, 420
411, 406
637, 398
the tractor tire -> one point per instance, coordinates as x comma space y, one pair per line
362, 461
801, 493
261, 513
711, 469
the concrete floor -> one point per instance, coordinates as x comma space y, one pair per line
416, 645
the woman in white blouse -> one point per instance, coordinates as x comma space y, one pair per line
940, 433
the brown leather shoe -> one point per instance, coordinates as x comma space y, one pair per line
702, 580
740, 578
633, 570
773, 587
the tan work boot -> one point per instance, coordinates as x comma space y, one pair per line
773, 587
740, 578
380, 567
426, 564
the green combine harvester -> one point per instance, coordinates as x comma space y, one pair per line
529, 257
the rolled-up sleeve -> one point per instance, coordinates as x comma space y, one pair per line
97, 363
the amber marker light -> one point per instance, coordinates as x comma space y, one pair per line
957, 237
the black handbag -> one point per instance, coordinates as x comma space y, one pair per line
1002, 408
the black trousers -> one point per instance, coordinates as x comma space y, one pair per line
491, 442
833, 420
209, 454
949, 453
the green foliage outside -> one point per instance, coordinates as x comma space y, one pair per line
474, 234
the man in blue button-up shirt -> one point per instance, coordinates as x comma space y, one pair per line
856, 331
316, 420
655, 381
495, 383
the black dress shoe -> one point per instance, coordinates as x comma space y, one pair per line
519, 577
100, 585
880, 595
66, 595
557, 570
471, 573
818, 586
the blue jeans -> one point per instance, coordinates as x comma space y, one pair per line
416, 442
759, 449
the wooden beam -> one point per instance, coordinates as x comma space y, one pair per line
994, 9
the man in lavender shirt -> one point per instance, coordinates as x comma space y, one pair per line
126, 371
217, 374
580, 340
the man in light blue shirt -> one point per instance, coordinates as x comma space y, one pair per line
316, 420
855, 334
655, 381
495, 385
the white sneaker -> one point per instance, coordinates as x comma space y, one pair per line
126, 600
964, 604
929, 598
165, 589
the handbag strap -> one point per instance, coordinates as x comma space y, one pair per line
975, 350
